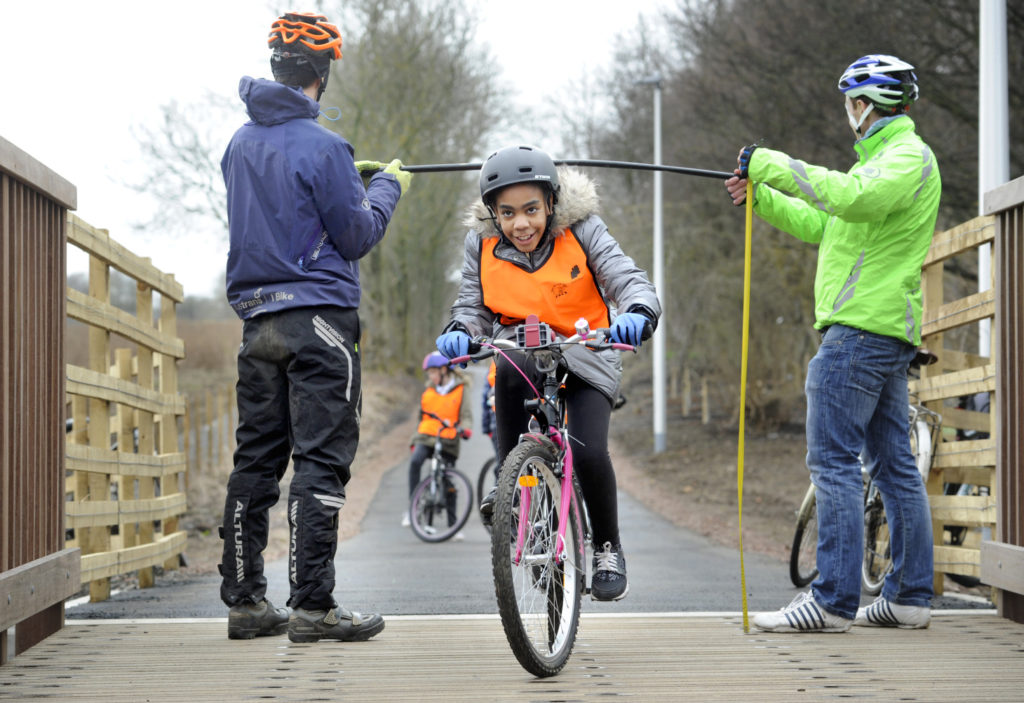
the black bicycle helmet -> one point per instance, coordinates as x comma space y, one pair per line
303, 45
517, 164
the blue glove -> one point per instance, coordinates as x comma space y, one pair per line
744, 160
453, 344
628, 328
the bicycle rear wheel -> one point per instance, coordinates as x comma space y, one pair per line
538, 594
440, 508
877, 555
803, 557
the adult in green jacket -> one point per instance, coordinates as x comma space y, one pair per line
873, 225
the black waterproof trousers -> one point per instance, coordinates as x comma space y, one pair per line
299, 396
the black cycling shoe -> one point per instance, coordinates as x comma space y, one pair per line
609, 582
248, 620
487, 507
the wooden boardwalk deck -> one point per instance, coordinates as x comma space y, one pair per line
963, 656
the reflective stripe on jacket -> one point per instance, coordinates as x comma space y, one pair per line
447, 407
560, 291
873, 224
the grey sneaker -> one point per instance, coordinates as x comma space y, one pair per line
248, 620
334, 624
609, 582
803, 614
885, 613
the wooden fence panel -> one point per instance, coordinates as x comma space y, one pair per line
123, 503
958, 521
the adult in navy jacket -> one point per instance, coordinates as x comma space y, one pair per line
300, 219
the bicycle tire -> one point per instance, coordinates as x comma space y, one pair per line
538, 598
877, 562
803, 556
484, 482
436, 515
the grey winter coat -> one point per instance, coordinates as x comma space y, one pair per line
623, 285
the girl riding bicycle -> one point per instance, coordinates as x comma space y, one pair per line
537, 246
442, 400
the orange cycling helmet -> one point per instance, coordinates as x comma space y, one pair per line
305, 32
303, 44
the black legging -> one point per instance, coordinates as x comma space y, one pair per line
589, 413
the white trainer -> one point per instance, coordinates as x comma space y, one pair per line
803, 614
405, 519
885, 613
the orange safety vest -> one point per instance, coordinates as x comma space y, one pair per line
560, 292
446, 406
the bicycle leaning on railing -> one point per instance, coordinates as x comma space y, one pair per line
441, 502
540, 528
925, 426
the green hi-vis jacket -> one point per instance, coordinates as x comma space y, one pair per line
873, 225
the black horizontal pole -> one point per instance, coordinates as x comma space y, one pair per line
593, 163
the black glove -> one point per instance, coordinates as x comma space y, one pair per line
745, 154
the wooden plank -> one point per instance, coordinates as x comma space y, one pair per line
85, 309
1004, 197
976, 452
960, 312
954, 384
27, 169
92, 384
81, 457
631, 657
92, 513
964, 237
98, 243
30, 588
973, 511
106, 564
958, 560
1002, 566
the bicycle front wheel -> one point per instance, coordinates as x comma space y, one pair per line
877, 555
440, 505
538, 590
803, 557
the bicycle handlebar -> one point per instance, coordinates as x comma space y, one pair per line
446, 424
481, 348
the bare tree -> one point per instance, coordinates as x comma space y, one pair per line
739, 71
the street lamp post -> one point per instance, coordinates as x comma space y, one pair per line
658, 382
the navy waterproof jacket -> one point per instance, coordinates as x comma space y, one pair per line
299, 216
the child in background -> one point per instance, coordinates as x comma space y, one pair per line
443, 398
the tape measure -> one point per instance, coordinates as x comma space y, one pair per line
743, 389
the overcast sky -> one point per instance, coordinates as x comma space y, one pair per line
78, 76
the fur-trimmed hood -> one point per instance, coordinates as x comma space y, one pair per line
577, 200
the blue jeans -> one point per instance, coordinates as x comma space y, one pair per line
857, 400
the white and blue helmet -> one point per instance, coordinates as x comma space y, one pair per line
884, 80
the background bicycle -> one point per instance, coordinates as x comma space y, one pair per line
925, 427
441, 502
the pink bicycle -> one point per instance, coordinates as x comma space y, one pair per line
540, 525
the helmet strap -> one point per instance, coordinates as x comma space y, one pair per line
856, 124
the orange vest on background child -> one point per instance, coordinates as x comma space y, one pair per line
560, 292
447, 406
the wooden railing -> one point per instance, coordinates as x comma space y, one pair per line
36, 573
122, 504
1002, 558
958, 521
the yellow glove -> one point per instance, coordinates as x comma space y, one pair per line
372, 166
403, 177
